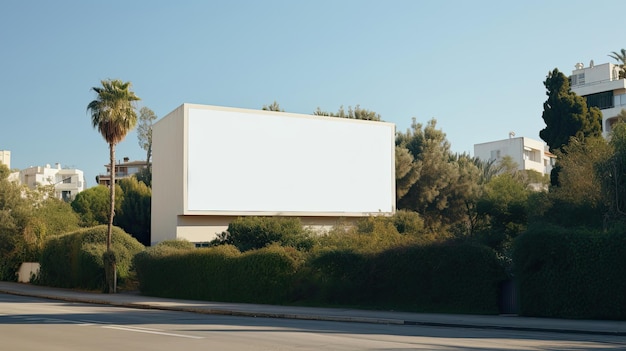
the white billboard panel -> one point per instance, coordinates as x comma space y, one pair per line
259, 162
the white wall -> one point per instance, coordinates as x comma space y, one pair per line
168, 172
252, 161
212, 164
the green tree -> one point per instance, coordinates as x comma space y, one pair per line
134, 214
613, 174
92, 205
15, 211
407, 172
566, 114
144, 131
356, 113
445, 181
273, 107
504, 203
620, 57
577, 199
113, 115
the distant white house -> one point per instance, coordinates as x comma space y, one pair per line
5, 158
602, 87
67, 182
528, 154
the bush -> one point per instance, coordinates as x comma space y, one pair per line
430, 278
249, 233
219, 273
74, 260
571, 273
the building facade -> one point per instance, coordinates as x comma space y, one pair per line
67, 182
5, 158
123, 169
528, 154
214, 164
603, 88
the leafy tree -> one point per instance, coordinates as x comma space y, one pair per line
15, 211
145, 175
445, 181
566, 114
144, 131
92, 204
577, 199
504, 204
613, 174
356, 113
620, 57
134, 214
487, 169
113, 115
273, 107
407, 172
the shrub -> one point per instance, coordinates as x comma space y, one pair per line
220, 273
571, 273
249, 233
74, 260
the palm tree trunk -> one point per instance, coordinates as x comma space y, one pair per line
112, 196
109, 262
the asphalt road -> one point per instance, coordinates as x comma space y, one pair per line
28, 323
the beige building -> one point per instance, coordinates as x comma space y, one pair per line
124, 169
213, 164
5, 158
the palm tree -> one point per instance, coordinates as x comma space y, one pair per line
621, 58
113, 115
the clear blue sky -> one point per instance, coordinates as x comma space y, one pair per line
477, 67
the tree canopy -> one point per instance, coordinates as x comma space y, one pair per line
144, 131
566, 114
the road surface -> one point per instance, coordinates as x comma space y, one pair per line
28, 323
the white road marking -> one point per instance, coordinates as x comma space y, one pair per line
149, 331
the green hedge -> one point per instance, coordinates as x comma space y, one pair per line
435, 278
571, 273
456, 278
219, 273
74, 260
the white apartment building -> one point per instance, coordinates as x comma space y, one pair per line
5, 158
67, 182
601, 86
528, 154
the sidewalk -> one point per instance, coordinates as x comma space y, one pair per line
617, 328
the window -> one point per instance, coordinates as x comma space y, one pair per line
67, 180
495, 154
66, 195
600, 100
578, 79
531, 154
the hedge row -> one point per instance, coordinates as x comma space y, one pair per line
571, 273
219, 273
436, 278
458, 278
74, 260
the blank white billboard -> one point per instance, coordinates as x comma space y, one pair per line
259, 162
